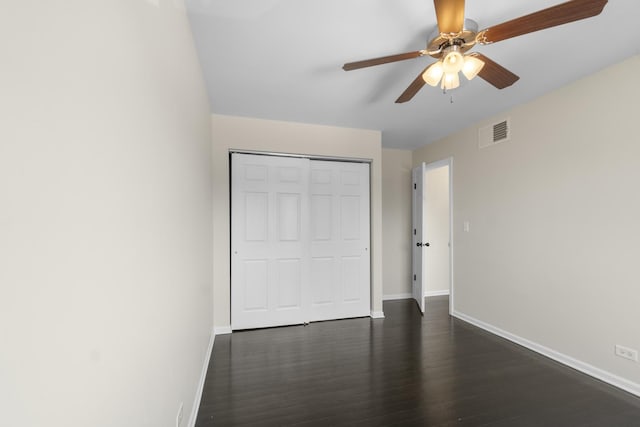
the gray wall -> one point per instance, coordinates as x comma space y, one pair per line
105, 214
552, 252
396, 222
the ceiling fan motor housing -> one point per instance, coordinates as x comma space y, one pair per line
439, 43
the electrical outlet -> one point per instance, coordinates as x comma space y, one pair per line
179, 416
626, 352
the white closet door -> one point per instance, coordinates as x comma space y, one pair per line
340, 243
270, 251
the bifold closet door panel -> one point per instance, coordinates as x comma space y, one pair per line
340, 242
269, 250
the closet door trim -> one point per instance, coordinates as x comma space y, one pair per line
301, 156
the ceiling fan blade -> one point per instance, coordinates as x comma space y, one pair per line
413, 88
556, 15
450, 15
495, 73
382, 60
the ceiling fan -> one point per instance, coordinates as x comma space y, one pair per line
456, 35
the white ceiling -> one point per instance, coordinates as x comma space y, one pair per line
282, 59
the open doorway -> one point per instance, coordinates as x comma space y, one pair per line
432, 231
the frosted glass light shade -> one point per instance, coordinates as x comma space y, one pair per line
433, 74
453, 62
450, 81
471, 67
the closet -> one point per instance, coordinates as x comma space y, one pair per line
300, 240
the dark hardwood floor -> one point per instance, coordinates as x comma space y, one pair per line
404, 370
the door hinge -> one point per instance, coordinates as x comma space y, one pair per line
415, 186
414, 231
414, 277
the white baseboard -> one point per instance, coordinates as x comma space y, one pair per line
569, 361
196, 403
436, 293
393, 297
222, 330
377, 315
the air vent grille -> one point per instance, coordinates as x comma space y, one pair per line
500, 131
494, 134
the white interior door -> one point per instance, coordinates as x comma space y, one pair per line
300, 239
418, 236
269, 252
340, 261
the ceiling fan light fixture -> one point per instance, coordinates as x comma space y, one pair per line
453, 61
433, 74
450, 81
472, 66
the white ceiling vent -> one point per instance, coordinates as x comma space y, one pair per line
494, 134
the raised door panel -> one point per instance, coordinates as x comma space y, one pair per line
289, 277
350, 279
321, 217
289, 217
323, 278
255, 285
350, 217
256, 217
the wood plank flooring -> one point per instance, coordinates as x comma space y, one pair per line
404, 370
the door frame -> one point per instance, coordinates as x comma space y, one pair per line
435, 165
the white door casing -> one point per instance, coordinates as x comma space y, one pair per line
300, 240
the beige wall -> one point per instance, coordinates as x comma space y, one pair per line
552, 251
436, 230
105, 214
284, 137
396, 222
